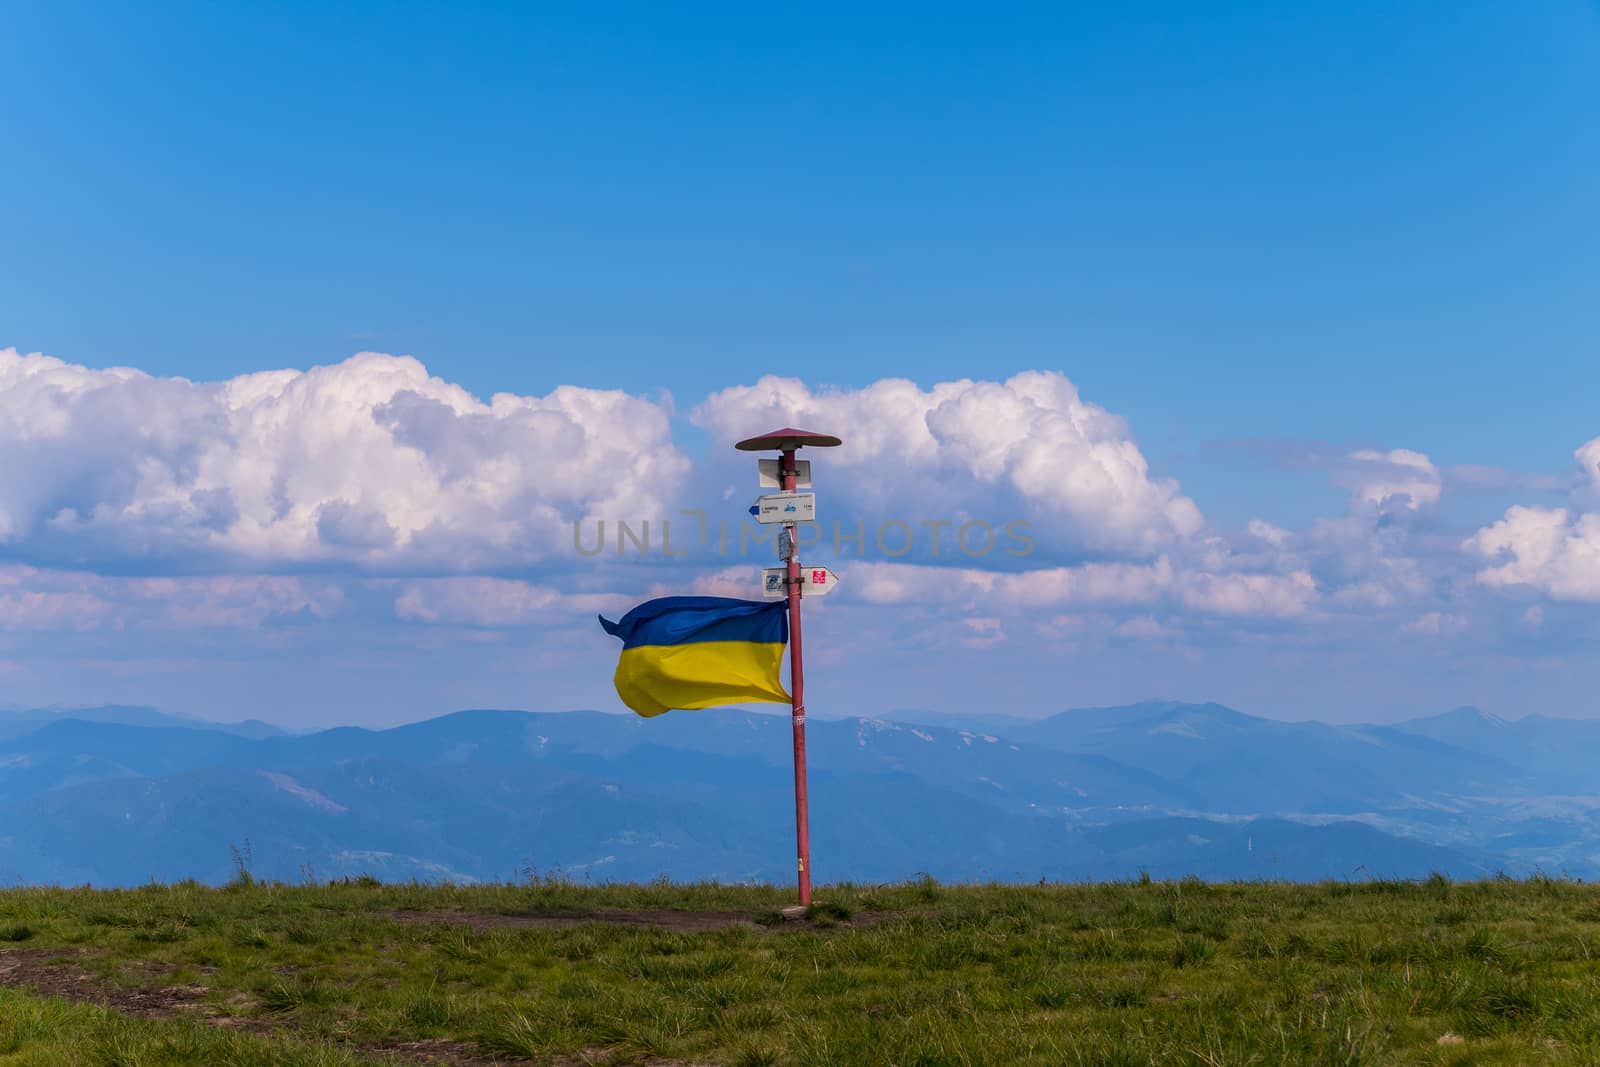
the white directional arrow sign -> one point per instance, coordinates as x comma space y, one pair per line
785, 507
817, 581
814, 581
769, 473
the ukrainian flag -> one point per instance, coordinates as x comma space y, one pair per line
700, 651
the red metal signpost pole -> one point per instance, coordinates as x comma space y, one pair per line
786, 443
797, 692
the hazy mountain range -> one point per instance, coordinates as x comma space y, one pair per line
122, 795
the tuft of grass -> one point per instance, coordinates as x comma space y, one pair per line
830, 911
1193, 949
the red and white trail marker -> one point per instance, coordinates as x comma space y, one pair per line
814, 581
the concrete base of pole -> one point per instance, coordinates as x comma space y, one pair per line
794, 911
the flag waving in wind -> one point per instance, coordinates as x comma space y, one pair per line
700, 651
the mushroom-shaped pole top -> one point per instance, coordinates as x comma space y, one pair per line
785, 440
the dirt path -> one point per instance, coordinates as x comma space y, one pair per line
52, 972
59, 973
693, 922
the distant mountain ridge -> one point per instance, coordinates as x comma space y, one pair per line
128, 794
14, 723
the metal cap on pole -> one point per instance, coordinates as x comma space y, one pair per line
787, 441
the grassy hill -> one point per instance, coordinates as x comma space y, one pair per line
1495, 972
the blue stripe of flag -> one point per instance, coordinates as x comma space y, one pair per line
684, 620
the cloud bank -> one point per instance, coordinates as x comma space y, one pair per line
370, 486
1026, 447
371, 463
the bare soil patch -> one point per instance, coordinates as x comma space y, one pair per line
437, 1051
693, 922
686, 921
54, 973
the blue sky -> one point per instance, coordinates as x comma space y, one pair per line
1269, 237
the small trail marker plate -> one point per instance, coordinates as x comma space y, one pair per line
814, 581
785, 507
768, 471
772, 583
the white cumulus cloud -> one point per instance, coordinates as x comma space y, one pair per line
1091, 584
1029, 447
1555, 551
491, 602
1552, 550
35, 599
1259, 595
1384, 480
371, 462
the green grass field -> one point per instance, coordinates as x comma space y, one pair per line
1497, 972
